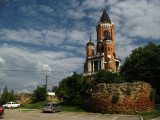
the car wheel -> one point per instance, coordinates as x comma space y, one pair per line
53, 111
60, 110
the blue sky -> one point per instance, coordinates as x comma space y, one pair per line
50, 35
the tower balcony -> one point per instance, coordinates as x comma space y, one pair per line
108, 41
117, 58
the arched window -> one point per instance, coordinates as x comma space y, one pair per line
106, 34
108, 49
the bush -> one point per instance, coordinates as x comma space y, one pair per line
153, 94
40, 94
115, 98
128, 91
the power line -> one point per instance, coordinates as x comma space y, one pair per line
29, 71
4, 3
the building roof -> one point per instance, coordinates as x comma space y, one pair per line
105, 18
90, 43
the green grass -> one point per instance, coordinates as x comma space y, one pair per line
39, 105
150, 115
146, 115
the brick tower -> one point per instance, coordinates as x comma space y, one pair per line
105, 57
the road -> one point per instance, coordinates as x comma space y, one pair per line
21, 114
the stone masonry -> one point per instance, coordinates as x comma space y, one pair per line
122, 98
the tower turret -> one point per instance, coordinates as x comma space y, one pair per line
89, 48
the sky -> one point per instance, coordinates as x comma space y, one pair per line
48, 37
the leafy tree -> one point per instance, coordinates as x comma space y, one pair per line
11, 96
40, 94
143, 64
103, 76
4, 96
72, 89
54, 89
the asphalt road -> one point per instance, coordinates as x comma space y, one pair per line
21, 114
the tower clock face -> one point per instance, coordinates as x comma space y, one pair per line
106, 34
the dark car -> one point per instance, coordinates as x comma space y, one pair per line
51, 107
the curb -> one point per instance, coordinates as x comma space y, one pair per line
141, 118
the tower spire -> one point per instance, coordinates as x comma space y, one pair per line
105, 18
90, 38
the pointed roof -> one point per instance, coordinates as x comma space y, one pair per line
90, 43
105, 18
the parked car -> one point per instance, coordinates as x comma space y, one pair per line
11, 105
51, 107
1, 111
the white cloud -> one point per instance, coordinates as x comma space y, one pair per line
33, 84
27, 59
2, 61
74, 3
45, 8
95, 4
76, 14
76, 36
30, 10
137, 18
32, 36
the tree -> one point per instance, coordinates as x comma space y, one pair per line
11, 96
54, 89
72, 89
40, 94
4, 96
143, 64
103, 76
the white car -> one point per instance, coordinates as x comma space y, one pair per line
11, 105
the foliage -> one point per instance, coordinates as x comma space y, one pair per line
152, 94
128, 91
11, 96
143, 64
104, 76
115, 98
7, 96
55, 89
157, 107
73, 89
4, 96
40, 94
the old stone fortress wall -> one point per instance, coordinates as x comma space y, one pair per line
122, 98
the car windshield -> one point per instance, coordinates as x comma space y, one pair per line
55, 104
46, 104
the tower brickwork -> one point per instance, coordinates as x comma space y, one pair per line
105, 57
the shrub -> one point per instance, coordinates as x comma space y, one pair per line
115, 98
40, 94
128, 91
152, 94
